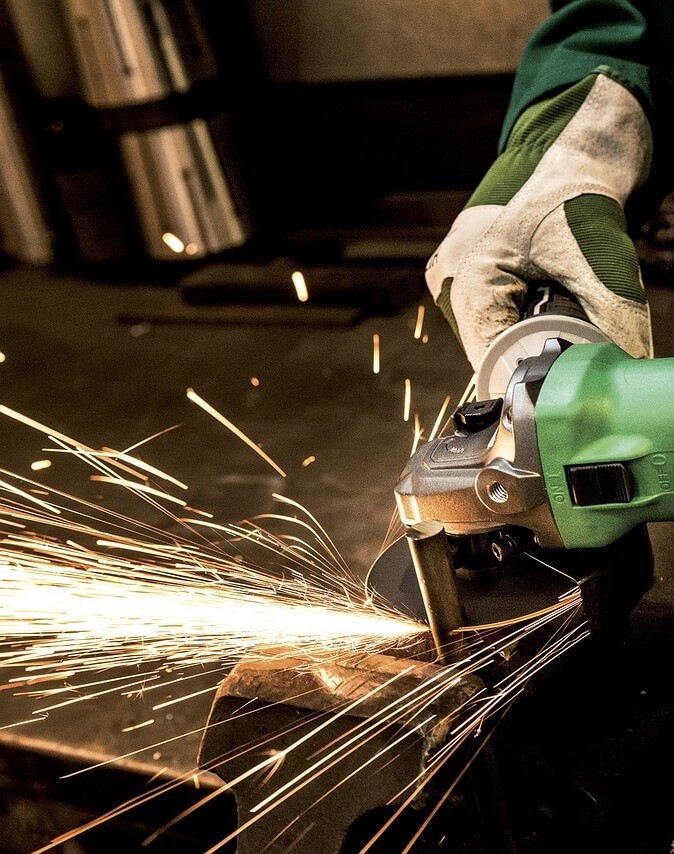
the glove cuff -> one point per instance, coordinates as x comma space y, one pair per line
597, 125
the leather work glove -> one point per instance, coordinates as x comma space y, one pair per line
552, 207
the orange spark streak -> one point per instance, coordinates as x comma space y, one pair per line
376, 363
139, 487
54, 434
195, 398
300, 286
180, 699
150, 438
141, 464
439, 419
408, 400
138, 726
417, 433
28, 496
420, 322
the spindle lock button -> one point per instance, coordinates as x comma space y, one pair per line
478, 415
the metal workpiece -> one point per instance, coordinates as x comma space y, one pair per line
349, 738
477, 480
434, 569
183, 197
130, 52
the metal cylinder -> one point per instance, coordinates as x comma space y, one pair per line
434, 568
138, 61
185, 204
25, 234
129, 51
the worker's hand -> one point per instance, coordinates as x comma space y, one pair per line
552, 207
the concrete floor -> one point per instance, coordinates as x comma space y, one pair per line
74, 363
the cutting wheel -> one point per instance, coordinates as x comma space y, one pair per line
525, 588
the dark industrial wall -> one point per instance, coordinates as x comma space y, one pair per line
338, 40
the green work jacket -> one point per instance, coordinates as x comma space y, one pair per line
632, 38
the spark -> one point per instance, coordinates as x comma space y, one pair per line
20, 492
193, 396
424, 338
88, 607
32, 720
38, 465
439, 420
138, 726
175, 700
420, 322
404, 709
150, 438
157, 774
56, 436
408, 400
137, 463
376, 363
173, 242
102, 612
469, 392
2, 357
71, 609
255, 382
418, 433
308, 460
300, 286
137, 487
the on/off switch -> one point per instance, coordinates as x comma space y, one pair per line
600, 483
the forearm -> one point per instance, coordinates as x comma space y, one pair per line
634, 38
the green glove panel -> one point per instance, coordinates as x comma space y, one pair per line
600, 229
537, 129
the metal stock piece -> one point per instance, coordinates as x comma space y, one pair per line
434, 568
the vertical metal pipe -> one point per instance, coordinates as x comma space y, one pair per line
434, 568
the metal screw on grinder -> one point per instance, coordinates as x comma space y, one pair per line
504, 548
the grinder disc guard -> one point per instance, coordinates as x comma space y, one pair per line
526, 586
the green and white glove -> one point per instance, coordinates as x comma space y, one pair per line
552, 207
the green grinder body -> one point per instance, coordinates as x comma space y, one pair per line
605, 431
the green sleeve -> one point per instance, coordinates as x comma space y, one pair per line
632, 38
